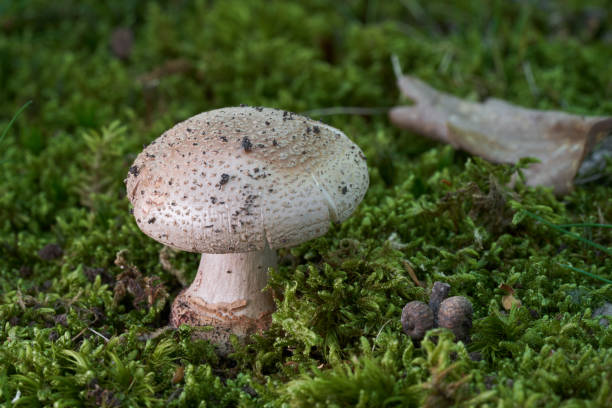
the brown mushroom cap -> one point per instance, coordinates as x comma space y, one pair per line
234, 179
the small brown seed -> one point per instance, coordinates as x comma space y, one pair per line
439, 292
455, 314
417, 318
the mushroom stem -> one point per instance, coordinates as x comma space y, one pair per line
226, 279
227, 293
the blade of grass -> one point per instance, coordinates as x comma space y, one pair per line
6, 129
585, 225
592, 275
15, 116
608, 251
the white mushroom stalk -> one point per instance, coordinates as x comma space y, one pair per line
228, 292
235, 184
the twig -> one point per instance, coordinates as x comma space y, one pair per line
380, 331
175, 394
78, 335
99, 334
156, 333
347, 110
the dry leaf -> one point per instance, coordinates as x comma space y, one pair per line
509, 300
411, 272
502, 132
506, 288
179, 374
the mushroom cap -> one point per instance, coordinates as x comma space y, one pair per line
236, 179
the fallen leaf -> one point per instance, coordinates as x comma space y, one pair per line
179, 373
502, 132
509, 300
506, 288
411, 272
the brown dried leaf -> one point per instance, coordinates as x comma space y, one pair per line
506, 288
143, 289
179, 374
509, 300
411, 272
502, 132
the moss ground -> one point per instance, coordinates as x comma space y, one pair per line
79, 329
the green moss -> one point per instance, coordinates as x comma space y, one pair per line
77, 331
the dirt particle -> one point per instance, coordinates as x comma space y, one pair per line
224, 179
121, 42
246, 144
151, 220
91, 273
134, 171
25, 271
61, 319
50, 252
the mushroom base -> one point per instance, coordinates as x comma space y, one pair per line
190, 310
228, 295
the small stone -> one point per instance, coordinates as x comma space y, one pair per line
604, 310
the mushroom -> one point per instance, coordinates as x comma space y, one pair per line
455, 314
235, 184
417, 318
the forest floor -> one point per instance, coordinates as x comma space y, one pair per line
85, 298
